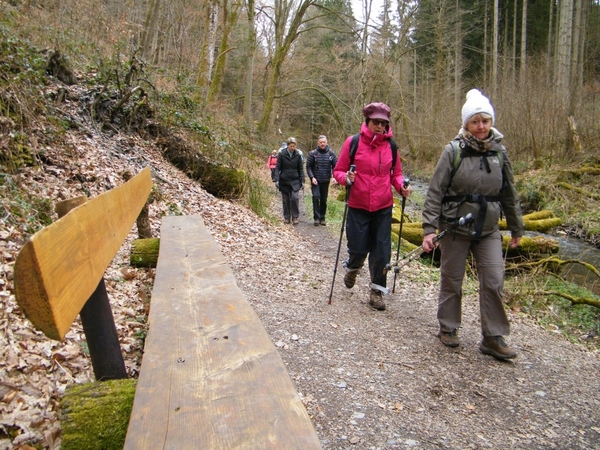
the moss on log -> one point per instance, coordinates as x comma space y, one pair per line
541, 226
412, 234
584, 171
538, 215
95, 415
219, 180
580, 191
144, 252
575, 300
405, 246
529, 246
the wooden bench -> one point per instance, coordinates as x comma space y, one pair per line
211, 377
59, 271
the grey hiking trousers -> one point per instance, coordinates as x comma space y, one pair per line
490, 271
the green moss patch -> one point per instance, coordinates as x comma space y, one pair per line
96, 415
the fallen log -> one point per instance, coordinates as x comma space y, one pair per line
537, 215
541, 225
580, 191
528, 246
574, 300
551, 263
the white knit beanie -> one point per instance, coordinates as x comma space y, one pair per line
476, 103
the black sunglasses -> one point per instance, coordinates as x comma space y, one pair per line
378, 122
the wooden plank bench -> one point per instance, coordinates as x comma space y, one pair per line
211, 377
59, 271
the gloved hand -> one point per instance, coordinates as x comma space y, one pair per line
277, 184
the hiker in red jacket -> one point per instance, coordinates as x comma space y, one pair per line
272, 164
370, 200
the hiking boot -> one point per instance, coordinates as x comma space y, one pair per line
376, 300
322, 222
496, 347
350, 278
316, 223
288, 220
295, 221
449, 338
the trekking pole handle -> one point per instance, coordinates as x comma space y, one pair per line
352, 169
406, 183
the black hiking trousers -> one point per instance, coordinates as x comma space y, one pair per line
369, 234
319, 193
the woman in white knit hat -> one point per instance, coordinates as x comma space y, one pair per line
473, 176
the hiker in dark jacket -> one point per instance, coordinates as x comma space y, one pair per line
480, 183
289, 179
319, 167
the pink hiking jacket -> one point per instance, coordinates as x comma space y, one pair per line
372, 188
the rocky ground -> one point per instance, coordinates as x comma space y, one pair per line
369, 379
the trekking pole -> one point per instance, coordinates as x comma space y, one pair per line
405, 185
461, 222
337, 257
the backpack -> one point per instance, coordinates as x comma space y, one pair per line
354, 147
458, 154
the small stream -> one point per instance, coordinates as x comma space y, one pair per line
570, 248
573, 248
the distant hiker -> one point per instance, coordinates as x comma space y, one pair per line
289, 179
319, 167
370, 202
272, 164
481, 183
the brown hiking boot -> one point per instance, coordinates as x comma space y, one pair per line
323, 223
295, 221
495, 346
376, 300
449, 338
350, 278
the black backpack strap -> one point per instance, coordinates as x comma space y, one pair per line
353, 147
394, 147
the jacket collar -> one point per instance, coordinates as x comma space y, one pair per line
375, 138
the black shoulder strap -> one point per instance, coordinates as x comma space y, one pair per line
354, 146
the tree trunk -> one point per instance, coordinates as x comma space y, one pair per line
250, 48
564, 50
229, 22
149, 31
283, 43
495, 49
205, 66
551, 37
523, 71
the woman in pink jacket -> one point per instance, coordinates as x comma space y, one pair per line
370, 201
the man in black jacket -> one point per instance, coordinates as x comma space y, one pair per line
289, 179
319, 167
